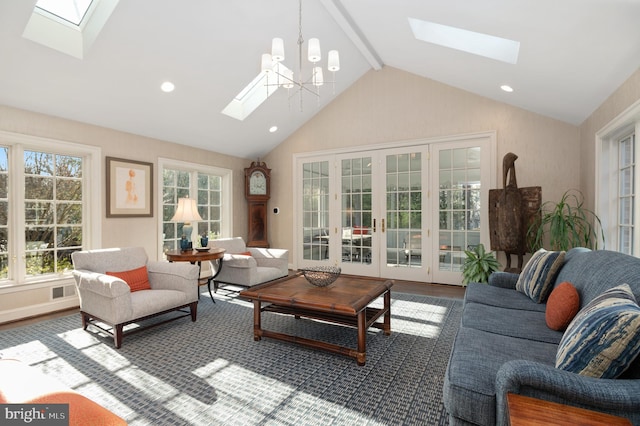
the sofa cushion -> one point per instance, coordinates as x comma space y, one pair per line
137, 279
604, 338
536, 279
509, 322
562, 306
499, 296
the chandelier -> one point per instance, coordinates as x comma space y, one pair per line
272, 65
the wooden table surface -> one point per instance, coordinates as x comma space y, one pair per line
524, 410
347, 295
194, 255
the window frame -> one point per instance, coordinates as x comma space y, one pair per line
607, 181
91, 204
226, 221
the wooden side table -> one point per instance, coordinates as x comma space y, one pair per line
195, 256
525, 410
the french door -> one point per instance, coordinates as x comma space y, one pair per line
376, 213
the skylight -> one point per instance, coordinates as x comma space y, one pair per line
68, 26
72, 11
500, 49
253, 95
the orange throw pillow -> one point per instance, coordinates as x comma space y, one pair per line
138, 279
563, 304
244, 253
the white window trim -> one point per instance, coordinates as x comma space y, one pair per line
226, 201
91, 206
606, 181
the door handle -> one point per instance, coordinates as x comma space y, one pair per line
382, 225
374, 225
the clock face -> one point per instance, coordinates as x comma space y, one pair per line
257, 183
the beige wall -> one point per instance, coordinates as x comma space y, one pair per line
129, 231
392, 105
627, 94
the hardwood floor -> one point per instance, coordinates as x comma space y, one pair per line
436, 290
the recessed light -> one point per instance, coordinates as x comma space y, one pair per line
167, 87
507, 88
273, 129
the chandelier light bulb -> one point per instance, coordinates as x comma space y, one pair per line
334, 61
277, 50
267, 63
314, 50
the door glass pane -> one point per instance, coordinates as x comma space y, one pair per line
404, 210
356, 214
315, 214
459, 205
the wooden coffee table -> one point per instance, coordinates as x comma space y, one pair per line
345, 302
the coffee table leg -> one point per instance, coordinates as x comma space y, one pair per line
387, 314
257, 310
361, 356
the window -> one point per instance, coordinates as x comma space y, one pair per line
626, 193
72, 11
52, 211
48, 190
210, 186
617, 181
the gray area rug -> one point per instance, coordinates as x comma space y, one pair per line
212, 372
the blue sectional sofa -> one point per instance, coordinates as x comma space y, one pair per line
504, 345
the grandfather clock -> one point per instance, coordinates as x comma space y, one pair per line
257, 186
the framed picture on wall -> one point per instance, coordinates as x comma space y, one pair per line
129, 188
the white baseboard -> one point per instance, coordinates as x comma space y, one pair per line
41, 309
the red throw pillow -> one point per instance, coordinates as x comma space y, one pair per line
138, 279
563, 304
244, 253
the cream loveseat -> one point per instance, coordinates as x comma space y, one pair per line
110, 300
248, 266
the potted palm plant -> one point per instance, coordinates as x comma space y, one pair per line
478, 265
567, 223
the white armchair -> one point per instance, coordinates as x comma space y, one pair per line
248, 266
108, 299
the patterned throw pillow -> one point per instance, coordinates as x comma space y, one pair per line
138, 279
536, 278
562, 306
604, 338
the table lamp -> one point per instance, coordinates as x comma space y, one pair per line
186, 212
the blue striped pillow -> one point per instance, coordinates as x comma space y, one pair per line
536, 279
604, 337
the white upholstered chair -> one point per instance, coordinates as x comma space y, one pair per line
108, 299
248, 266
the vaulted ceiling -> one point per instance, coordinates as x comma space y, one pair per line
573, 54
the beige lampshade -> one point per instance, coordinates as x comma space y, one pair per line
187, 211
